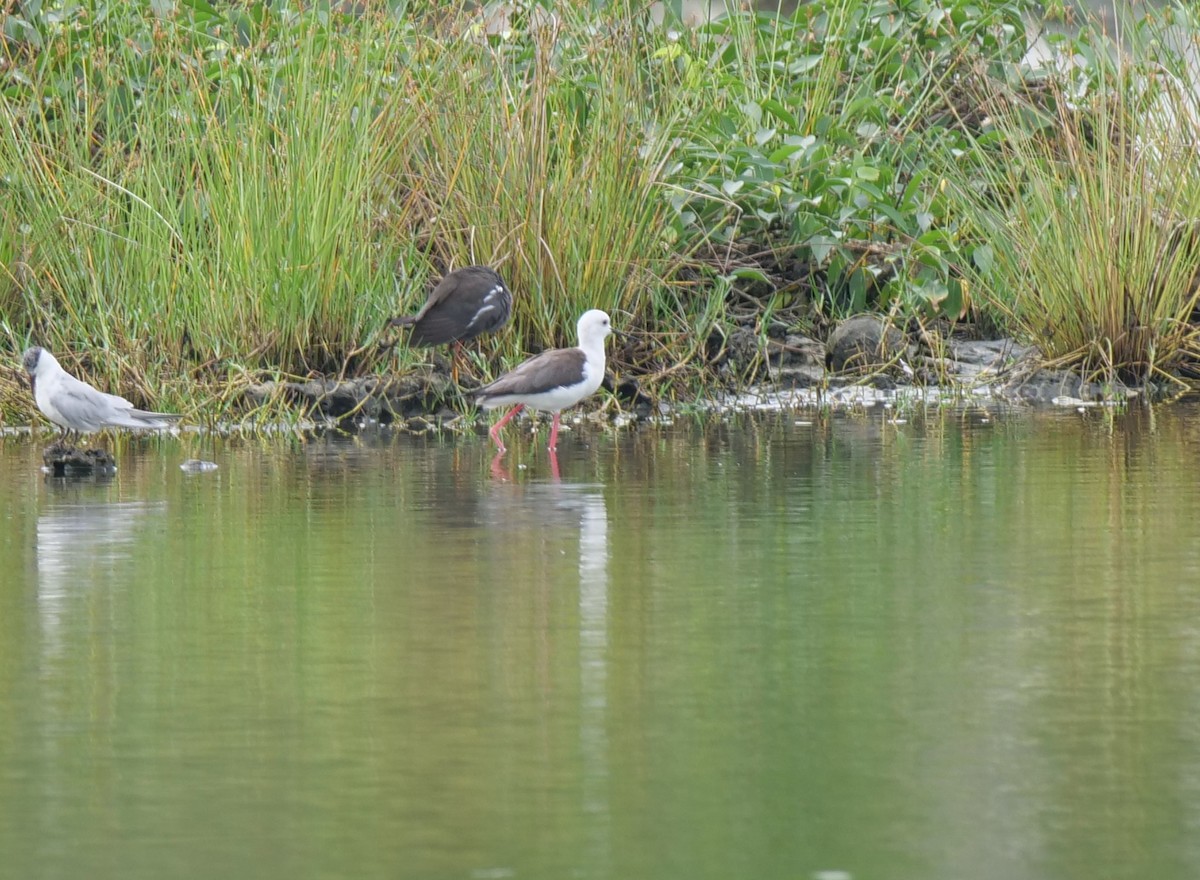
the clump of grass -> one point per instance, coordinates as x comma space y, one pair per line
197, 205
1085, 195
536, 152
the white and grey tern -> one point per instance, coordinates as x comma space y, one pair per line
77, 407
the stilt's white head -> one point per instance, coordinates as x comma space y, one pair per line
593, 327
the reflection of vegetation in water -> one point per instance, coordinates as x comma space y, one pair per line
211, 192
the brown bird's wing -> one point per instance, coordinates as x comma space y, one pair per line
466, 303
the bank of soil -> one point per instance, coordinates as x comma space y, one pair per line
789, 368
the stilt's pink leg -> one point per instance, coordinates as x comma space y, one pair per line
554, 433
498, 470
554, 466
494, 433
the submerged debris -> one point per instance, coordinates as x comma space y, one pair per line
62, 460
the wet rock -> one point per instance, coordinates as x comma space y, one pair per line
797, 362
987, 361
403, 397
803, 376
1063, 388
742, 347
63, 460
334, 400
1016, 374
995, 354
864, 343
796, 351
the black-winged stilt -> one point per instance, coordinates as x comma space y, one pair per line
553, 380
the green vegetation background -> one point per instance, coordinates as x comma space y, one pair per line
194, 196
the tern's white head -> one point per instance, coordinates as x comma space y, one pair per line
36, 358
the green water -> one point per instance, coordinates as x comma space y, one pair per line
961, 646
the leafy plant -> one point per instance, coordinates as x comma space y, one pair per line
806, 132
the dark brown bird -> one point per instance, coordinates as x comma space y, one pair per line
466, 303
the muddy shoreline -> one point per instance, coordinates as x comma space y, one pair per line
862, 365
866, 362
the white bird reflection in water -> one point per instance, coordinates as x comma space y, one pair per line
554, 508
593, 674
78, 546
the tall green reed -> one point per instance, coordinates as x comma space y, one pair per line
197, 205
1084, 197
210, 196
537, 152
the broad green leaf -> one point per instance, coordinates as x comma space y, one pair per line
785, 153
749, 273
780, 112
984, 256
804, 64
